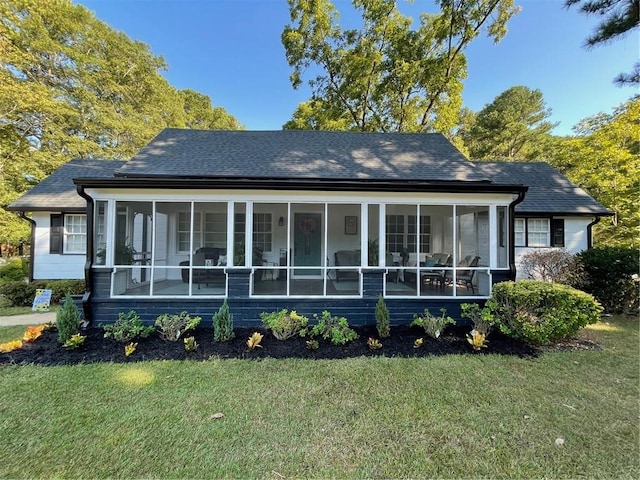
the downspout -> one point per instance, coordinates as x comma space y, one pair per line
590, 233
512, 233
86, 306
33, 243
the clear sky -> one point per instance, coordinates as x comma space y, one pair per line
231, 51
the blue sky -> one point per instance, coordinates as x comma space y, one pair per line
231, 51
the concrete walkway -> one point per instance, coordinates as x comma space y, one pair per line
28, 319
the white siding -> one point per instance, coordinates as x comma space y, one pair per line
575, 239
52, 267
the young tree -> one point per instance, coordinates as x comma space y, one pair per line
509, 127
619, 17
386, 76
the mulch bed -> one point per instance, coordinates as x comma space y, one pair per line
46, 350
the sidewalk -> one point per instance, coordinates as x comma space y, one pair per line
28, 319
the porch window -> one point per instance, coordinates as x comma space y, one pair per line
75, 233
395, 233
425, 233
262, 233
184, 231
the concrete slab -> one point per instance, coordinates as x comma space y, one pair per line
28, 319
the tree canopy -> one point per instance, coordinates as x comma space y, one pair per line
72, 87
386, 75
604, 159
618, 18
509, 128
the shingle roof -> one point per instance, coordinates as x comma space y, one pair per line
549, 190
57, 192
301, 154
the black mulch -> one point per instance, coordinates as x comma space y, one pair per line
47, 351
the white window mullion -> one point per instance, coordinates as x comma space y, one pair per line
248, 243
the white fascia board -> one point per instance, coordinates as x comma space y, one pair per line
296, 196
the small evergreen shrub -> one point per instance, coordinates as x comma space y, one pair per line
67, 320
612, 277
172, 327
128, 327
284, 324
382, 318
540, 312
223, 324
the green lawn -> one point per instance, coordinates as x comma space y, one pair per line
443, 417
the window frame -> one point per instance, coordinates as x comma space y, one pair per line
523, 231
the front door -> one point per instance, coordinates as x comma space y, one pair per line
307, 243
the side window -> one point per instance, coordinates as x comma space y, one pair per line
75, 234
538, 232
520, 232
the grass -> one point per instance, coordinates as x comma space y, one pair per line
441, 417
6, 311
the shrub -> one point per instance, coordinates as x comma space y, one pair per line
75, 341
284, 324
382, 318
21, 294
553, 265
333, 328
127, 327
612, 277
190, 344
541, 312
18, 293
432, 325
254, 340
67, 320
15, 269
60, 288
223, 324
173, 326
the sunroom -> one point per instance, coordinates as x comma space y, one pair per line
427, 245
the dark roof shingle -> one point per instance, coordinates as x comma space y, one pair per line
549, 190
57, 191
301, 154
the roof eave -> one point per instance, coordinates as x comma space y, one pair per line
360, 185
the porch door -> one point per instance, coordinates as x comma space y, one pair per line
307, 243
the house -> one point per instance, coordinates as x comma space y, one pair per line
305, 220
554, 213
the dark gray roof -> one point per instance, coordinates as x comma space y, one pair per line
57, 192
299, 154
549, 190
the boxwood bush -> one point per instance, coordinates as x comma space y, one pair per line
540, 312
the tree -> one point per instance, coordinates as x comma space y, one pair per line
604, 159
619, 17
509, 127
72, 87
386, 76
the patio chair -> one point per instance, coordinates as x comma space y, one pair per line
436, 276
465, 277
